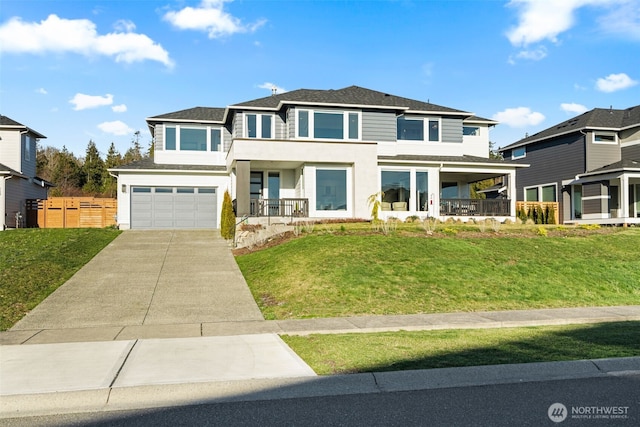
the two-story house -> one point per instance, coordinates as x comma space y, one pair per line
18, 180
313, 154
589, 164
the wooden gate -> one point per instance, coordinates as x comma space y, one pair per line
72, 212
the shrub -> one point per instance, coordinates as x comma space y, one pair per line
541, 231
227, 218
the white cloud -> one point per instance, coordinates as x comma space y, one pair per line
519, 117
211, 18
534, 55
41, 91
117, 128
119, 108
614, 82
540, 20
124, 26
623, 20
79, 36
573, 108
83, 102
270, 86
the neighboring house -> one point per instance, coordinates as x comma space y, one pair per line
313, 154
18, 180
590, 164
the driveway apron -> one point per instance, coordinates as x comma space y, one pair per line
151, 278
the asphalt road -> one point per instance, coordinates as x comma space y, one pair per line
603, 401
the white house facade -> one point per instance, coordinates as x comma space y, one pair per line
313, 154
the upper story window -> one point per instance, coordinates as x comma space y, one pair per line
192, 138
27, 148
470, 130
328, 124
414, 129
518, 153
604, 138
258, 126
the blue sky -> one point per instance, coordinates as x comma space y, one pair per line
94, 70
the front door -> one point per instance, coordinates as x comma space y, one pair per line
274, 193
255, 191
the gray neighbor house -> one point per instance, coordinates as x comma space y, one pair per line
589, 164
18, 180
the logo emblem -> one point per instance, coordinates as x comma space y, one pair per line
557, 412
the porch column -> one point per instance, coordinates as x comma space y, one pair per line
624, 196
243, 187
511, 191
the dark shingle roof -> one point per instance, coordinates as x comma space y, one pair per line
6, 121
147, 163
603, 118
622, 164
352, 95
202, 114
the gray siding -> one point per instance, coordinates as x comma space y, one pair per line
281, 126
226, 138
10, 150
291, 120
550, 161
17, 191
379, 126
599, 204
631, 152
600, 155
159, 137
451, 130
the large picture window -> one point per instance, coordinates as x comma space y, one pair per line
541, 193
328, 124
413, 129
396, 189
331, 189
189, 138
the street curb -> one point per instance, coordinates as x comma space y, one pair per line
159, 396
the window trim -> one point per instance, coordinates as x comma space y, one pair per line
311, 123
598, 133
178, 127
539, 188
425, 128
513, 153
245, 125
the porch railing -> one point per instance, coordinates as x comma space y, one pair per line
279, 207
481, 207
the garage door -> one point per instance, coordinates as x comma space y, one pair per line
173, 207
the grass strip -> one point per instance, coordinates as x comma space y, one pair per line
396, 351
35, 262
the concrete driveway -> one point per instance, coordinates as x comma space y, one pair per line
151, 278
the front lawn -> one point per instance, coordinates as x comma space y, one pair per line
35, 262
340, 272
395, 351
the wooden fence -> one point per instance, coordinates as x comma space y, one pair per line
540, 207
71, 212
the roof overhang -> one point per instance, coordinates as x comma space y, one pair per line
24, 129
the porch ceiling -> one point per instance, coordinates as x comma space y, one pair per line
274, 164
468, 176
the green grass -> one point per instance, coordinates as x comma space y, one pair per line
394, 351
35, 262
329, 274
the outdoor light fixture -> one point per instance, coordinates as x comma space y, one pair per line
124, 188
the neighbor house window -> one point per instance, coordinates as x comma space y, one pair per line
328, 124
604, 138
518, 153
191, 138
331, 189
27, 148
541, 193
470, 130
258, 126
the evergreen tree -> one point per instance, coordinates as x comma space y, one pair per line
228, 218
93, 170
114, 159
66, 173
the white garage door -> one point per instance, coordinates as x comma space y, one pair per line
173, 207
